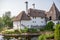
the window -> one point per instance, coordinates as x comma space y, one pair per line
41, 17
41, 21
33, 21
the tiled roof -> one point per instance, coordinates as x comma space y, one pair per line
36, 13
31, 13
21, 16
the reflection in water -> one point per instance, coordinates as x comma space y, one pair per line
1, 37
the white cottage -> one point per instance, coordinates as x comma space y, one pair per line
33, 19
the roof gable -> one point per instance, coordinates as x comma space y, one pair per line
21, 16
54, 8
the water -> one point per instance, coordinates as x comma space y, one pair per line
1, 37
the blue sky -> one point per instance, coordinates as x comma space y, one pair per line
16, 6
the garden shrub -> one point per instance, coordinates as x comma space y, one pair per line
42, 37
57, 32
32, 30
49, 26
50, 36
11, 32
25, 30
42, 29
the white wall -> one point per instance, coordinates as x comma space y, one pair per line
27, 23
38, 21
16, 24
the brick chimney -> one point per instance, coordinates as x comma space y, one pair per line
33, 6
26, 7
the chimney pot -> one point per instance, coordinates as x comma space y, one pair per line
26, 6
33, 6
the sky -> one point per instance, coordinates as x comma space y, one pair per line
16, 6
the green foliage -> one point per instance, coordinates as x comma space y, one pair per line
11, 32
46, 36
50, 36
1, 24
25, 30
42, 29
42, 37
7, 21
57, 32
17, 32
32, 30
49, 26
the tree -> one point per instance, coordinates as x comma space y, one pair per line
42, 37
57, 32
49, 25
7, 21
1, 24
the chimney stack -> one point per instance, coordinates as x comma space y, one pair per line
33, 6
26, 6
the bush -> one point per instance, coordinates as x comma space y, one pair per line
8, 32
57, 32
25, 30
42, 29
49, 26
11, 32
50, 36
46, 36
32, 30
42, 37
